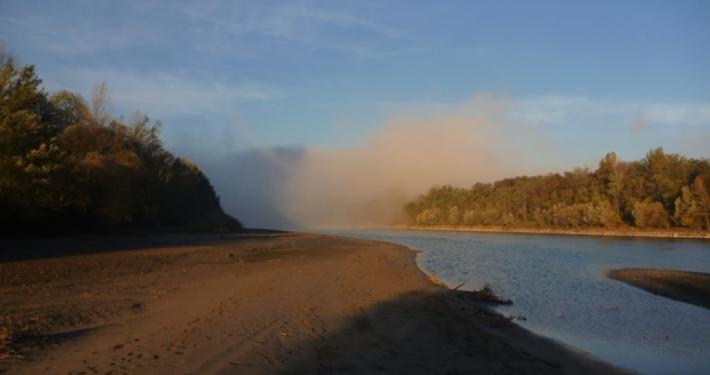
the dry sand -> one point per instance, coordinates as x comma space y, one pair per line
251, 303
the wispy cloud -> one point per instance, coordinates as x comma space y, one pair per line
166, 94
301, 24
559, 109
82, 36
218, 26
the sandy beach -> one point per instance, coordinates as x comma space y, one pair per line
250, 303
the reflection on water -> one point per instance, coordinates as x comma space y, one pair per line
557, 283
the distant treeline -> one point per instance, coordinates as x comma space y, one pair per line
66, 166
661, 191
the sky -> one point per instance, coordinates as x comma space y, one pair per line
577, 78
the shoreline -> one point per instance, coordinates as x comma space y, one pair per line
566, 232
684, 286
256, 303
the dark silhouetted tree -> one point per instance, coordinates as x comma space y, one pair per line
65, 167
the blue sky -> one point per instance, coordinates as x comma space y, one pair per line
228, 76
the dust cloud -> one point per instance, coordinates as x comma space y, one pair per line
366, 185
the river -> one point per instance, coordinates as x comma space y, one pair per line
559, 289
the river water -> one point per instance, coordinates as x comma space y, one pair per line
558, 284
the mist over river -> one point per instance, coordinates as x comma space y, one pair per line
558, 284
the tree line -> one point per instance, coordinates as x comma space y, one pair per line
67, 166
662, 190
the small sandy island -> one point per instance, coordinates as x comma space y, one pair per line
689, 287
250, 303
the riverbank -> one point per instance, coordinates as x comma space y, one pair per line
262, 302
688, 287
626, 232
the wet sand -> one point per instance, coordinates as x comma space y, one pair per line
251, 303
688, 287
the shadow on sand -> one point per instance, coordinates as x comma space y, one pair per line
436, 332
51, 247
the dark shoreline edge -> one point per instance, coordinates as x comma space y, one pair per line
684, 286
580, 232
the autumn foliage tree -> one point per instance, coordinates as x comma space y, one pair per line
660, 191
67, 167
692, 208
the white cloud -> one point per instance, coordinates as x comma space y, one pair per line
166, 94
